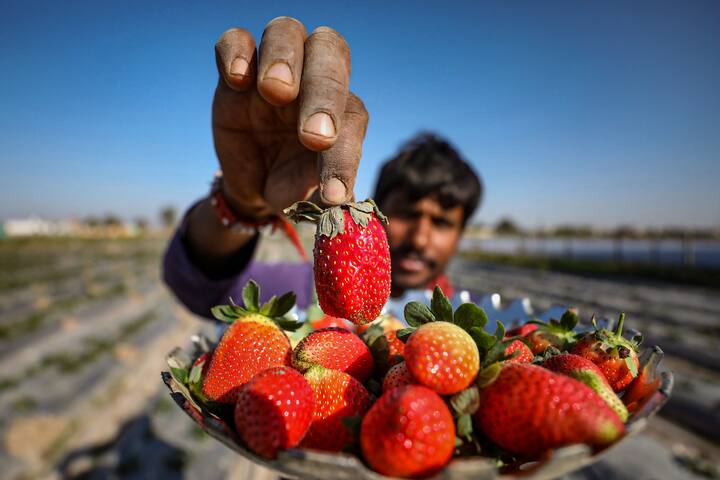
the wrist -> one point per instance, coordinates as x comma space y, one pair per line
233, 215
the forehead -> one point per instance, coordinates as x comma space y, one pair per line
428, 205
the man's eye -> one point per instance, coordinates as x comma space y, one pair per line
443, 223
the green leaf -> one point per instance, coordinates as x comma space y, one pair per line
352, 423
269, 306
631, 366
464, 426
378, 213
469, 315
441, 306
495, 353
484, 340
196, 373
251, 296
417, 314
404, 333
303, 211
284, 304
488, 375
569, 320
380, 350
325, 226
465, 402
228, 313
337, 219
358, 217
180, 375
500, 331
288, 324
364, 207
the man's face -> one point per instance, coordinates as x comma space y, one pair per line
423, 237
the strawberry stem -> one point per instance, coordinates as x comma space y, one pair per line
621, 322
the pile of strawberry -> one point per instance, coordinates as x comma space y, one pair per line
409, 399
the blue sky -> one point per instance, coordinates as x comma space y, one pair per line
573, 112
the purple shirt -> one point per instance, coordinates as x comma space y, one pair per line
199, 293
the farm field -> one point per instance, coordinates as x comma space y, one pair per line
85, 326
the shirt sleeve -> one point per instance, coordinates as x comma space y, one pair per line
199, 293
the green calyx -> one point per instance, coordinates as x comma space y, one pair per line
331, 221
623, 347
467, 316
560, 332
275, 309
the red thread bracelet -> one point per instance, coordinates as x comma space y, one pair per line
230, 219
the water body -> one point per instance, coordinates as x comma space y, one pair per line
700, 253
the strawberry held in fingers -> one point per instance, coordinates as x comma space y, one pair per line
337, 397
274, 410
615, 355
408, 432
253, 342
588, 373
351, 258
527, 410
334, 348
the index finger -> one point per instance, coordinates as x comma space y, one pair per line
323, 88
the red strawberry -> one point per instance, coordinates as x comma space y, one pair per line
334, 348
396, 348
408, 432
351, 259
521, 331
645, 384
330, 321
615, 355
440, 345
396, 376
442, 356
558, 334
337, 396
524, 355
252, 343
528, 409
588, 373
274, 410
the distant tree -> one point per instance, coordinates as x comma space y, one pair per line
168, 216
506, 226
573, 231
92, 222
626, 231
111, 220
142, 224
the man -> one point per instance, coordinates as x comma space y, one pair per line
286, 128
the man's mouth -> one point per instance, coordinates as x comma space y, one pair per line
411, 265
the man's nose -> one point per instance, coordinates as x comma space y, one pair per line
421, 233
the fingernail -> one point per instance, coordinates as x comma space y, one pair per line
334, 191
280, 72
321, 124
239, 67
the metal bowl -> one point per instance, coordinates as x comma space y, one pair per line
648, 397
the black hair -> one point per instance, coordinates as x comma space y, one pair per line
429, 165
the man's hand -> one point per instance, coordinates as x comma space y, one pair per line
284, 121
